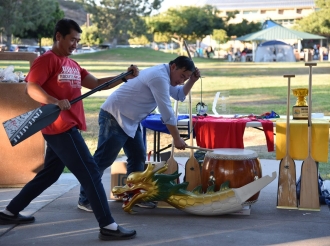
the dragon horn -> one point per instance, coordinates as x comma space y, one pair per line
158, 166
154, 166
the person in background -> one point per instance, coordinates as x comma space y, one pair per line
209, 52
54, 78
245, 51
125, 108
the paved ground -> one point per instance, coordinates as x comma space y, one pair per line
59, 222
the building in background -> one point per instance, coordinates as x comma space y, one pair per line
284, 12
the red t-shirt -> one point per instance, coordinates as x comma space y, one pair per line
61, 78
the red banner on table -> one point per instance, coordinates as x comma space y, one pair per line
214, 132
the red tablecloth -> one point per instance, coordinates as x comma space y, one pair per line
213, 132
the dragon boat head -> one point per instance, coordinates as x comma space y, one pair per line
153, 185
145, 186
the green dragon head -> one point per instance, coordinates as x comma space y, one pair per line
150, 185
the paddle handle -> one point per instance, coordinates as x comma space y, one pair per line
100, 87
190, 111
185, 45
289, 76
199, 148
310, 64
176, 104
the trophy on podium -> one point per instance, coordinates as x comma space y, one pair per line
300, 110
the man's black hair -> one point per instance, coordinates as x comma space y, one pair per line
64, 27
183, 62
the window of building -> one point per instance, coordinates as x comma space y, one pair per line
280, 11
299, 11
262, 11
271, 11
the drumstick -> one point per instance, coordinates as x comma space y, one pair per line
199, 148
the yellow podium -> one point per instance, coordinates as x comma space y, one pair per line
299, 139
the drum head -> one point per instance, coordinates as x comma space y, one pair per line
232, 154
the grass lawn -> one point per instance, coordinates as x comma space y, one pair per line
247, 88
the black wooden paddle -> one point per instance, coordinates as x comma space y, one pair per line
25, 125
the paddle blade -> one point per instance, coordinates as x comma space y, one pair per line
172, 165
309, 191
192, 173
286, 191
25, 125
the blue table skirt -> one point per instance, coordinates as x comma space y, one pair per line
155, 123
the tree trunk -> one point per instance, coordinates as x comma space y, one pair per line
8, 43
114, 43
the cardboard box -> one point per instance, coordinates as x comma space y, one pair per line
118, 172
118, 176
21, 163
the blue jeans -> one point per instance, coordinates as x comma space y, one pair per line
110, 141
67, 149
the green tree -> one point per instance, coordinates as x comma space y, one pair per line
317, 22
220, 35
142, 40
9, 15
22, 17
44, 27
190, 23
90, 35
242, 28
119, 20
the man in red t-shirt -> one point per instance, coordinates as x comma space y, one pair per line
54, 78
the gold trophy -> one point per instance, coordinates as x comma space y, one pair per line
300, 110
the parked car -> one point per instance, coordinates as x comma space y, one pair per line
22, 48
13, 48
18, 48
104, 46
36, 49
84, 50
88, 50
3, 47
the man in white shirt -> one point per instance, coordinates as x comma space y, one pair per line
125, 108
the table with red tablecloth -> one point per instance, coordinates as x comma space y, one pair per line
210, 131
219, 132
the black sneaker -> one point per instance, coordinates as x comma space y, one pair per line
120, 234
146, 205
15, 219
85, 207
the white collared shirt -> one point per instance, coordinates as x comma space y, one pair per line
136, 99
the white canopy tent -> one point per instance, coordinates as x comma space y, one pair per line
274, 50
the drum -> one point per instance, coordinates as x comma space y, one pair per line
238, 166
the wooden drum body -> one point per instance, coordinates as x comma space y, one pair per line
238, 166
